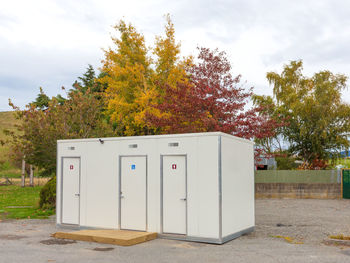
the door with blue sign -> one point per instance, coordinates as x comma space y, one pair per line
133, 193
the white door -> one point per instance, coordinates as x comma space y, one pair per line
71, 191
133, 193
174, 194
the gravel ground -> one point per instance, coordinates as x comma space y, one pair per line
286, 231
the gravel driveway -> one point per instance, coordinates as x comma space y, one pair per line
286, 231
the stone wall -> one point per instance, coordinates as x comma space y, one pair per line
298, 190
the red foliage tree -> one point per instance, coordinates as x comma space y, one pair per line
212, 100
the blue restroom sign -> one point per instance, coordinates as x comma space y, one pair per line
133, 167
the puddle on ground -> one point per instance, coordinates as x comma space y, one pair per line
55, 241
103, 248
11, 237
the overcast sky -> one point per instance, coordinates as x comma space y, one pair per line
50, 43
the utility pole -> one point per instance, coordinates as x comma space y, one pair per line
23, 182
31, 176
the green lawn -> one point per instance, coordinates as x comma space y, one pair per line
20, 203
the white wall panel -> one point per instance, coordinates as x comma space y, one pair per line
237, 186
207, 184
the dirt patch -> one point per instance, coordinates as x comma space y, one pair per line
11, 237
17, 181
189, 245
103, 248
55, 241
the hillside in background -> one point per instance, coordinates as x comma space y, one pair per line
8, 122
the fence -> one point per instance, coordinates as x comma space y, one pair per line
298, 176
323, 184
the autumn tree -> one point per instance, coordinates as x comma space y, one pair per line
80, 116
136, 80
169, 67
211, 100
128, 76
318, 121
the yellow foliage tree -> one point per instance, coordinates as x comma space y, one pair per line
136, 82
128, 75
169, 68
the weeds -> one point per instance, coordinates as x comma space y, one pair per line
289, 239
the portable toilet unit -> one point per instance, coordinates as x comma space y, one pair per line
196, 187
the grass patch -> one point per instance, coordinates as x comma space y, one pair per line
11, 173
289, 239
21, 203
340, 237
8, 121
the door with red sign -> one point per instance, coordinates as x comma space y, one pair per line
174, 194
70, 190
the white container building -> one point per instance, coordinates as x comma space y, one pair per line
197, 187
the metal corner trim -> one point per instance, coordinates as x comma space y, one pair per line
220, 185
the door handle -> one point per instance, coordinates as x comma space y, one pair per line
183, 199
122, 196
77, 194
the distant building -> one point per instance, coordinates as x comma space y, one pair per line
345, 154
266, 163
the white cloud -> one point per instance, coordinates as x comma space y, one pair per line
49, 43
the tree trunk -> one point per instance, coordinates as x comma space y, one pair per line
31, 176
23, 182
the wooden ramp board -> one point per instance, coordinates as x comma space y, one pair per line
115, 237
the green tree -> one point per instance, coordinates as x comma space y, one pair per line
80, 116
89, 81
42, 100
317, 120
275, 142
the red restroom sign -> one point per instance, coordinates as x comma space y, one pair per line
71, 167
173, 166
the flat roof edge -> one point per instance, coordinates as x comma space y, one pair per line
156, 137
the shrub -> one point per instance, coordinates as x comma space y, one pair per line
4, 165
48, 195
285, 163
45, 173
